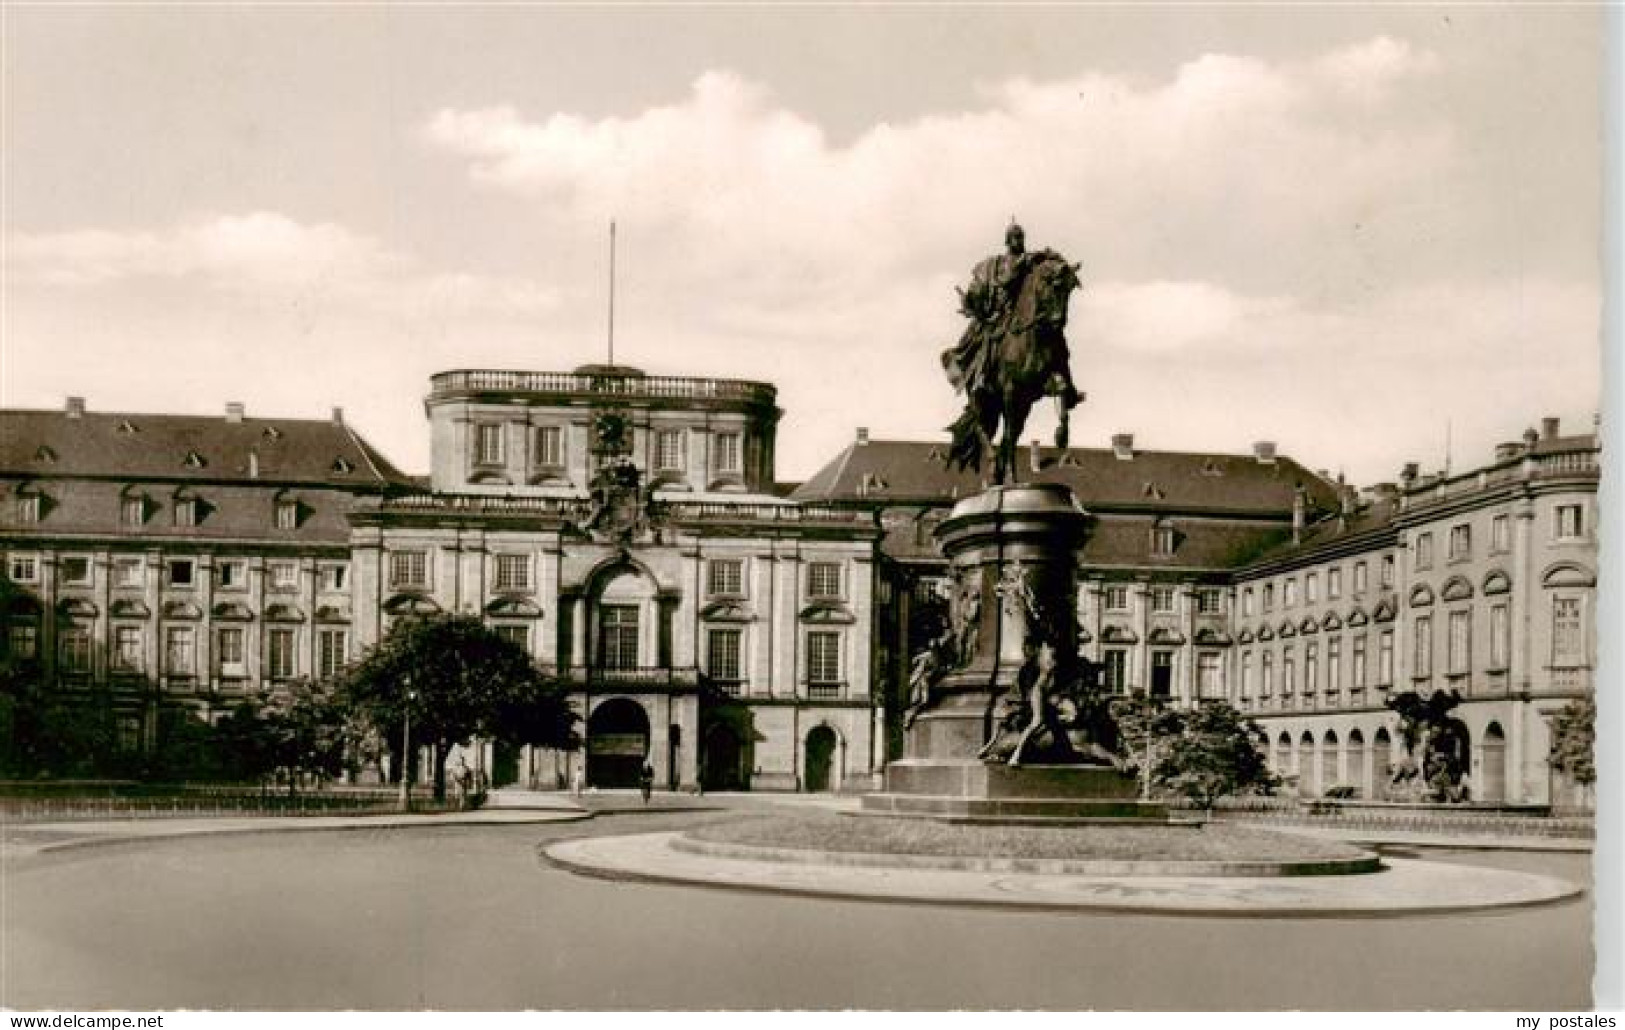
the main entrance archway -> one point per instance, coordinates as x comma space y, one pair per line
821, 744
617, 743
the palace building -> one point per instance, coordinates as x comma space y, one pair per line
629, 531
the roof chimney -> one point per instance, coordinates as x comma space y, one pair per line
1549, 428
1264, 452
1123, 446
1407, 475
234, 411
75, 408
338, 416
863, 436
1035, 460
1299, 494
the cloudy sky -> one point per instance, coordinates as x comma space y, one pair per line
1350, 230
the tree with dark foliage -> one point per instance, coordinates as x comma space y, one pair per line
457, 679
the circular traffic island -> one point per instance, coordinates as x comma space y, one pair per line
1192, 869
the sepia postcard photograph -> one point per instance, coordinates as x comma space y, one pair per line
770, 507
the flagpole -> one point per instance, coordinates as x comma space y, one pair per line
612, 291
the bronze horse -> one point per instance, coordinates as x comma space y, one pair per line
1020, 356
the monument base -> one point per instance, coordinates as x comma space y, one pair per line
956, 790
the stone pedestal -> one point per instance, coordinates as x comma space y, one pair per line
1013, 555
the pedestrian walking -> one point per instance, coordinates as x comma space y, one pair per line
578, 780
646, 781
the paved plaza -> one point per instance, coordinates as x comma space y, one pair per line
470, 915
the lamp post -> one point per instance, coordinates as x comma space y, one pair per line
406, 747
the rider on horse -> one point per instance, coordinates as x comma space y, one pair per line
994, 303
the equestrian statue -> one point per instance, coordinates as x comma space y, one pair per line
1012, 353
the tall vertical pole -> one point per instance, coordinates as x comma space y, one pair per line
612, 291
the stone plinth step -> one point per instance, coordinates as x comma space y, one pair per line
1048, 811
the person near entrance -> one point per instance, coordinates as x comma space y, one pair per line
646, 781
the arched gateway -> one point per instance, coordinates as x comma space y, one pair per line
617, 743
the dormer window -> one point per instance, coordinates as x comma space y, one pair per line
133, 510
488, 444
45, 455
287, 514
185, 511
1162, 538
272, 433
341, 467
126, 428
194, 460
729, 453
29, 508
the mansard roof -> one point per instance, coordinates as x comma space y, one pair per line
53, 444
911, 471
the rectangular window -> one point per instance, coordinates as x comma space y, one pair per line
409, 569
1289, 592
1422, 551
1385, 658
1162, 673
1359, 577
334, 576
1162, 599
726, 577
1500, 636
1289, 673
279, 653
517, 634
1422, 656
127, 572
669, 450
180, 650
722, 658
1334, 665
75, 648
23, 568
823, 660
1387, 570
1566, 640
1570, 522
284, 574
1267, 684
1501, 534
1357, 671
74, 571
513, 572
228, 651
332, 651
1208, 601
728, 456
22, 641
180, 572
1246, 675
127, 648
1269, 596
1311, 588
1311, 668
619, 647
1116, 671
488, 444
230, 575
184, 512
1334, 584
28, 509
1117, 598
1209, 675
287, 514
1162, 539
824, 579
550, 446
1461, 542
133, 511
1458, 648
1247, 602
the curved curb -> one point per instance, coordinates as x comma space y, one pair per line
1404, 887
1364, 863
127, 839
